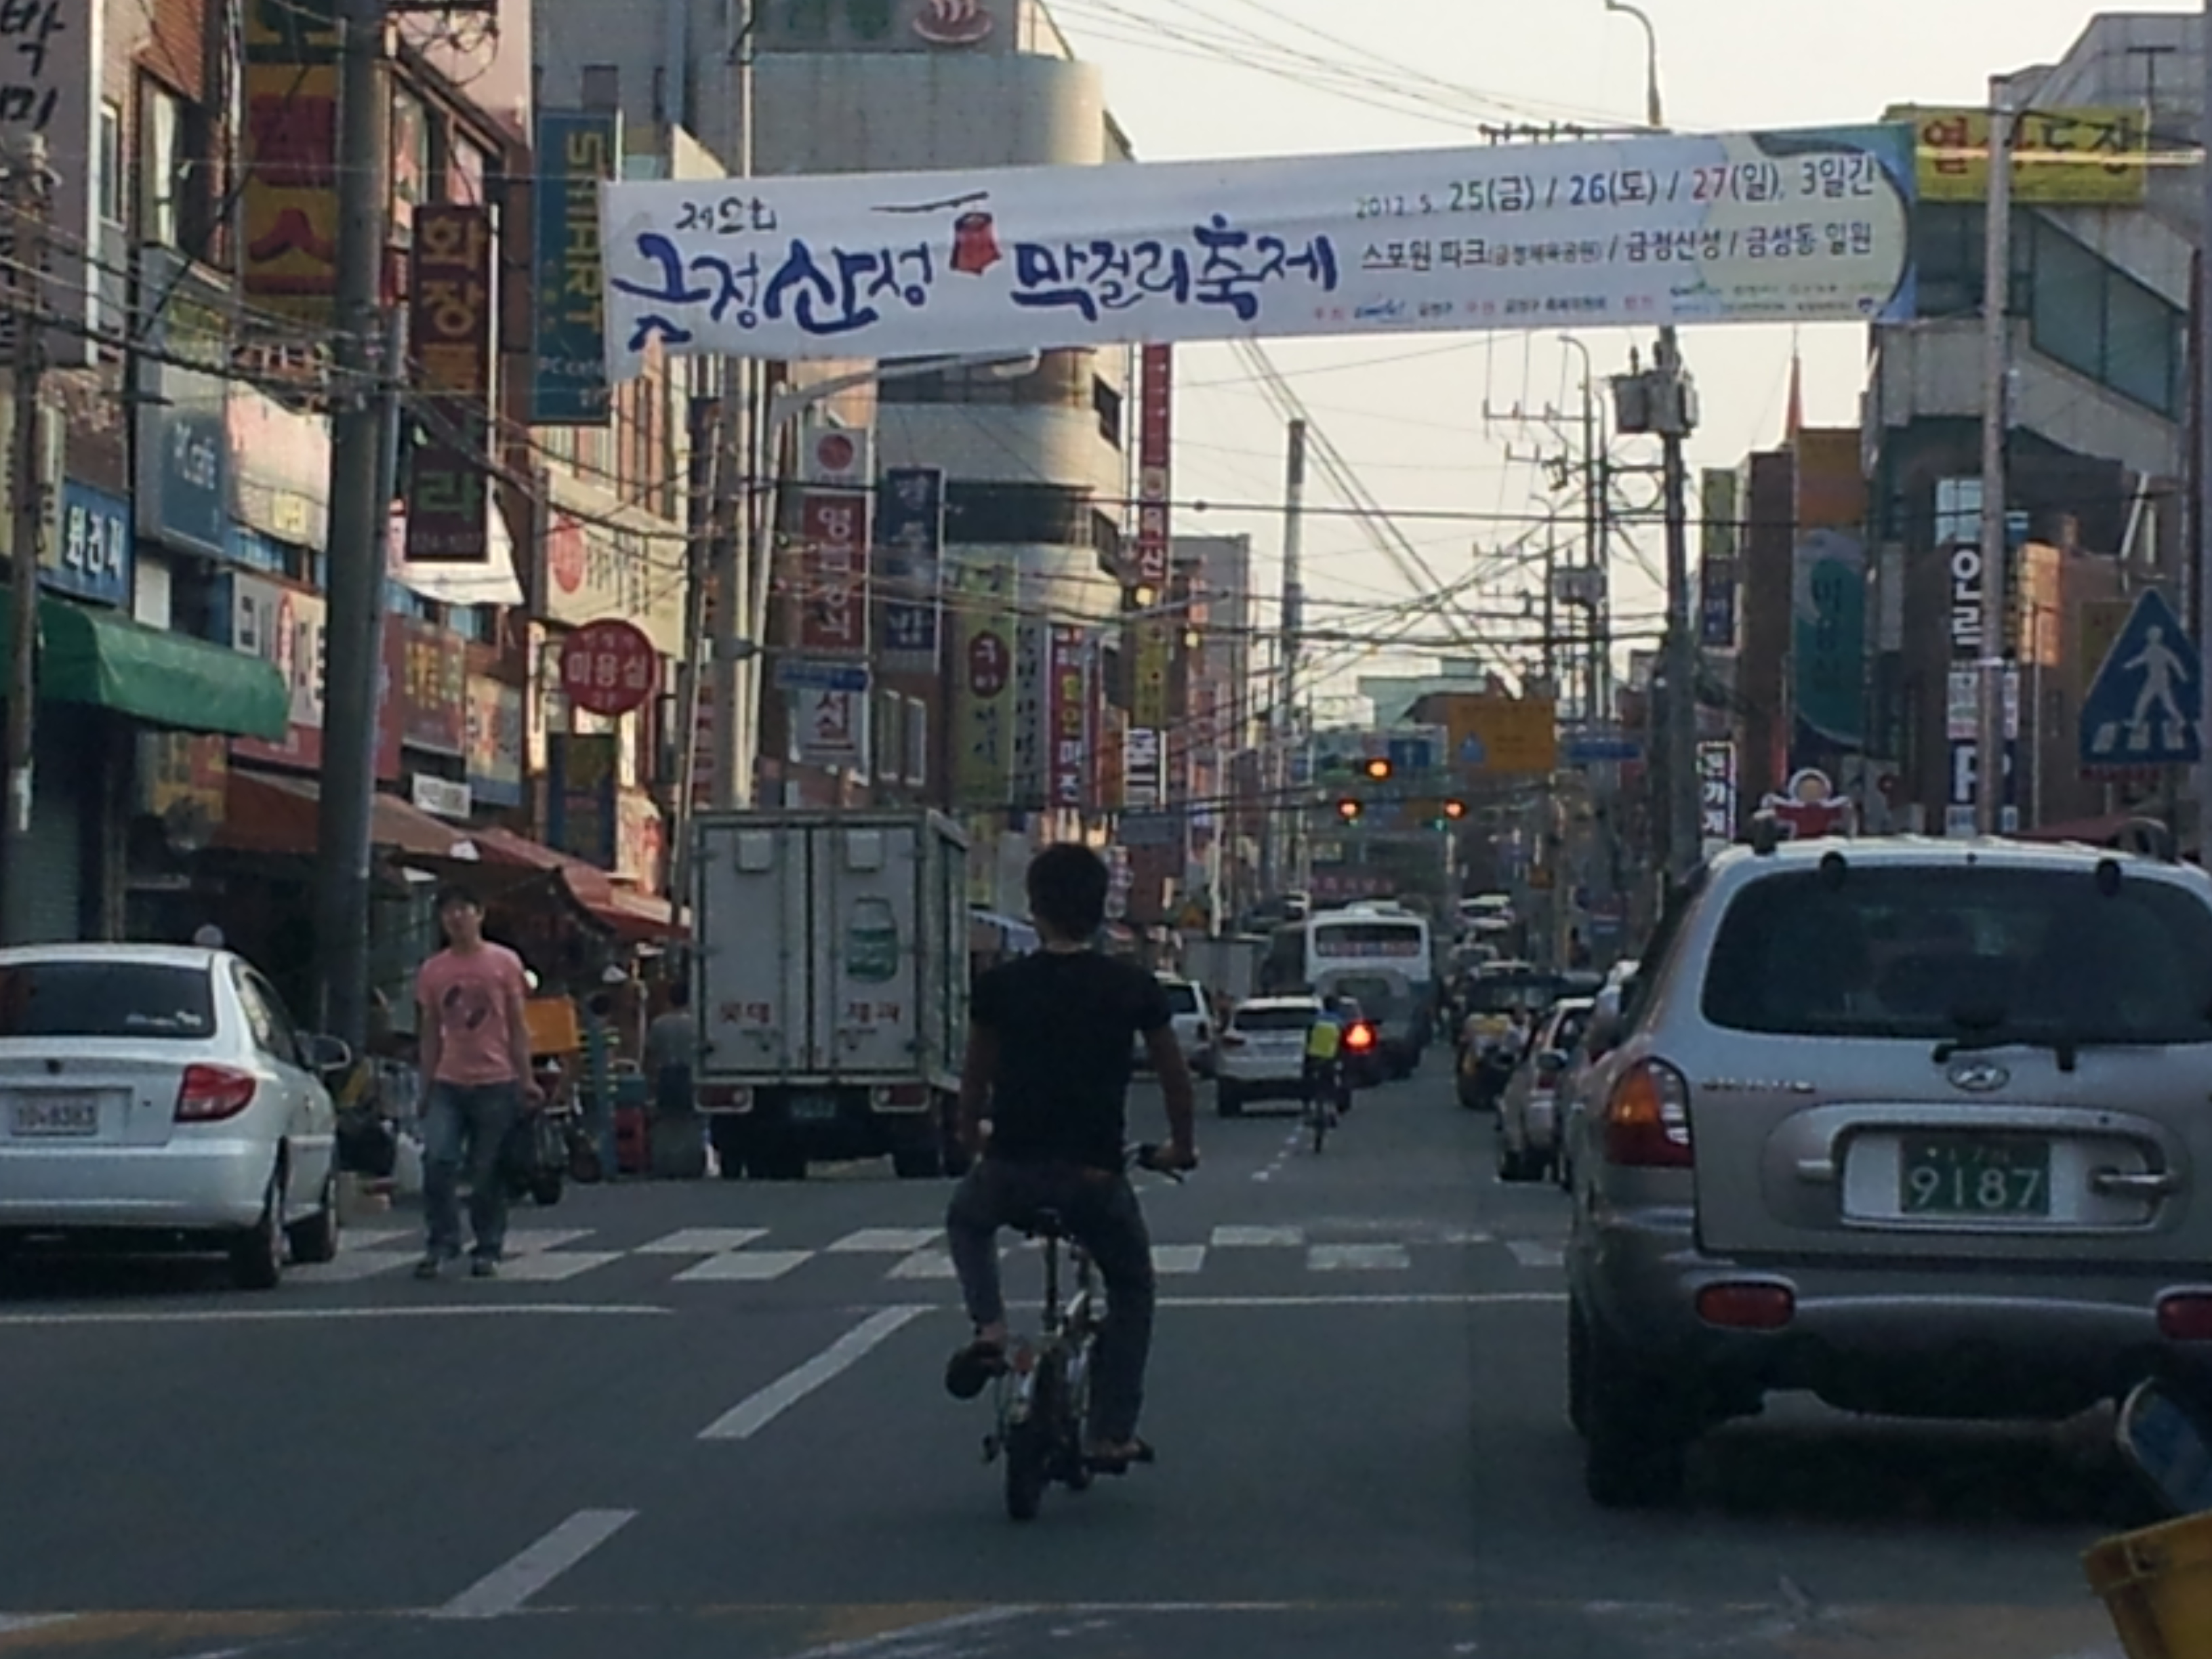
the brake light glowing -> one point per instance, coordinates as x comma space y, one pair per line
2185, 1318
1647, 1120
1360, 1037
210, 1094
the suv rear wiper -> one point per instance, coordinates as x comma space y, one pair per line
2066, 1046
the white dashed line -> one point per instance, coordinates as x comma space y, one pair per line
1178, 1258
744, 1266
757, 1410
1258, 1238
704, 1241
1357, 1258
886, 1240
504, 1590
1529, 1254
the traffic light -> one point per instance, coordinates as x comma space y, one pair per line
1454, 809
1378, 768
1348, 809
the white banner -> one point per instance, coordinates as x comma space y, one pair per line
1794, 227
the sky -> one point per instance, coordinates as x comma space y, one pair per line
1427, 420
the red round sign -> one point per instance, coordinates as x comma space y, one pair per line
609, 667
988, 664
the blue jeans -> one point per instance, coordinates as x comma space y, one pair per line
464, 1128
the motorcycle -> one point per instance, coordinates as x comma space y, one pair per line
550, 1146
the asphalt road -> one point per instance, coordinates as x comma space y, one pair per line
706, 1420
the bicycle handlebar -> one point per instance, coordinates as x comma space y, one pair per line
1147, 1157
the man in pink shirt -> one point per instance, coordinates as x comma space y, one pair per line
476, 1079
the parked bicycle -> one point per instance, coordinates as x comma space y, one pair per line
1042, 1399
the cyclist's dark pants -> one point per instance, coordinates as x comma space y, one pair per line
1100, 1211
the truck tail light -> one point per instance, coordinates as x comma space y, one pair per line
726, 1098
209, 1094
902, 1094
1647, 1119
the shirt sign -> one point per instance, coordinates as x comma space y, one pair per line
1776, 227
450, 339
90, 557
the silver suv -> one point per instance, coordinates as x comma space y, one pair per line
1921, 1127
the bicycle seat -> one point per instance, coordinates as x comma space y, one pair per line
1043, 1224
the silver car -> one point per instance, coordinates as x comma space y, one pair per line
1528, 1112
1919, 1126
161, 1098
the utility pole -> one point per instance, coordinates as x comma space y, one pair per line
360, 514
740, 563
1990, 735
1675, 406
1294, 608
29, 187
2204, 458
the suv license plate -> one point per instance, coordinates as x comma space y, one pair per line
1974, 1175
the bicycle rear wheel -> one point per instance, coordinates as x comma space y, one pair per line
1029, 1447
1317, 1114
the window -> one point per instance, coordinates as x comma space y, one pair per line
2100, 322
1106, 402
1182, 995
283, 1043
104, 997
1009, 514
1934, 952
111, 184
161, 164
1367, 938
1275, 1019
410, 162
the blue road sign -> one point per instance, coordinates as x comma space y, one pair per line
1591, 752
1473, 751
805, 674
2145, 706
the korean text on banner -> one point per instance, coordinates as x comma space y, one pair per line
450, 338
51, 86
833, 608
1068, 716
576, 149
910, 552
1155, 435
291, 198
1780, 227
2085, 157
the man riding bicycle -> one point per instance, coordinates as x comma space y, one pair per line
1043, 1098
1324, 1071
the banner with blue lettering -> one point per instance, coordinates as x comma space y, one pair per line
1807, 226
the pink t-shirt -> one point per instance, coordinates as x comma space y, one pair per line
472, 997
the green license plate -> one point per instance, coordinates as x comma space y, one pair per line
1974, 1175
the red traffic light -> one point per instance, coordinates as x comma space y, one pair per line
1454, 809
1348, 809
1378, 769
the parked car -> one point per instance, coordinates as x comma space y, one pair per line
1571, 1095
1263, 1052
1193, 1025
161, 1098
1915, 1125
1528, 1112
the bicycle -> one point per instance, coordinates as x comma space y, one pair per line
1324, 1089
1043, 1398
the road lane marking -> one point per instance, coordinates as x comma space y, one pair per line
702, 1240
306, 1315
1529, 1254
886, 1240
529, 1241
1260, 1238
353, 1265
505, 1588
757, 1410
925, 1264
747, 1266
1178, 1258
927, 1634
552, 1267
1357, 1258
13, 1624
1407, 1299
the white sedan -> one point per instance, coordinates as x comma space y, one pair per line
160, 1098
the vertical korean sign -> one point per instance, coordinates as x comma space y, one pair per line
1153, 632
289, 252
832, 599
49, 58
1067, 716
910, 549
449, 335
983, 684
576, 149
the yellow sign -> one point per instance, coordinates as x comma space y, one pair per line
1496, 736
2080, 157
291, 251
1154, 658
983, 675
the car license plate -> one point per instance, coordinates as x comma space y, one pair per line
1974, 1175
813, 1109
39, 1116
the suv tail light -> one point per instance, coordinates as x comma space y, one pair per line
1647, 1120
1359, 1038
2186, 1316
210, 1094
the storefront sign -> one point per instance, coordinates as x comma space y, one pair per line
1716, 790
1789, 226
582, 796
909, 542
609, 667
495, 742
1155, 422
450, 340
2076, 157
1144, 776
832, 726
593, 569
982, 689
832, 597
434, 705
442, 797
184, 779
1153, 659
291, 206
1067, 717
575, 150
285, 626
641, 842
50, 85
184, 452
280, 468
90, 555
1719, 546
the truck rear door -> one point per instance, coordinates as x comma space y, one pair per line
864, 894
754, 951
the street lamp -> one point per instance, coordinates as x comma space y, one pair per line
1655, 114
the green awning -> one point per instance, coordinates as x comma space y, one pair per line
173, 680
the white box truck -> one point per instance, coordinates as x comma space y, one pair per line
830, 980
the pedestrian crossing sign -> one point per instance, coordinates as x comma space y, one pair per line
2145, 706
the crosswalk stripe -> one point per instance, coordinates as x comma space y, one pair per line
552, 1267
368, 1238
1357, 1258
352, 1266
1529, 1254
1233, 1238
754, 1267
531, 1241
886, 1240
925, 1264
1178, 1258
702, 1240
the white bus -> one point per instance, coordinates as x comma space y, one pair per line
1380, 954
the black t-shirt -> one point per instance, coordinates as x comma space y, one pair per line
1066, 1025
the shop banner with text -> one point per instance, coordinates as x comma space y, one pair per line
1800, 225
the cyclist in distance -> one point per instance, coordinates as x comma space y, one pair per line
1324, 1079
1044, 1098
